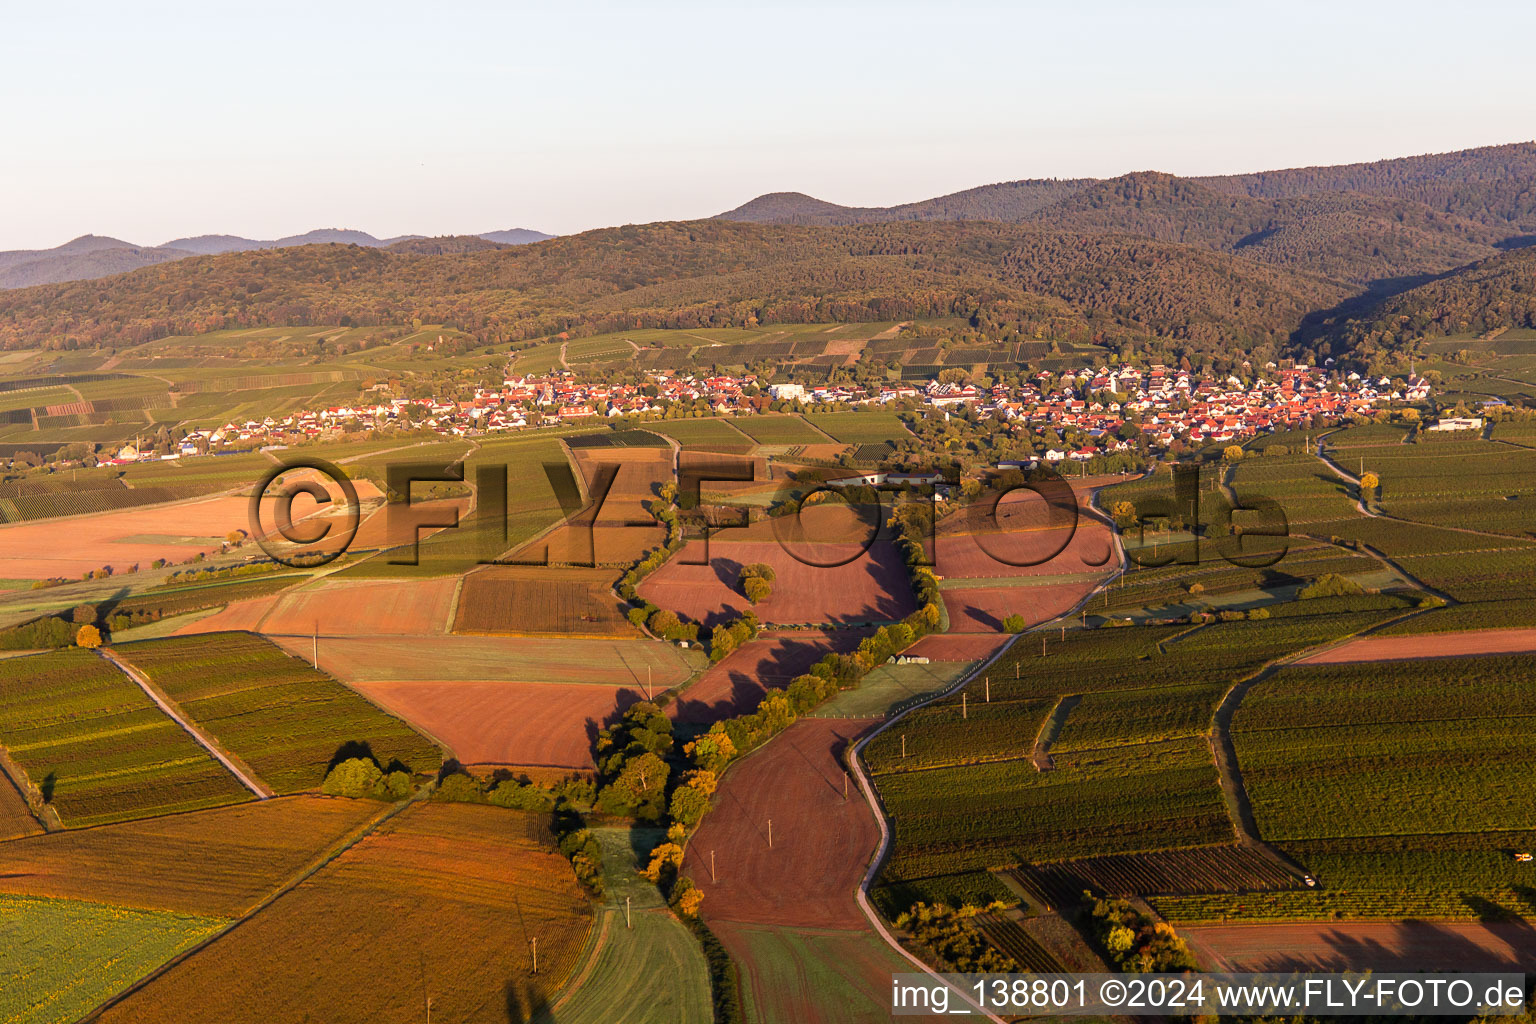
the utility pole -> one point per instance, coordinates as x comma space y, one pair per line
770, 833
626, 913
845, 785
903, 744
647, 682
535, 955
429, 1010
315, 650
712, 876
963, 714
987, 685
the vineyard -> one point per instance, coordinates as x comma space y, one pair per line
97, 747
280, 716
217, 863
776, 430
1368, 750
1134, 798
862, 428
467, 887
1008, 938
1198, 869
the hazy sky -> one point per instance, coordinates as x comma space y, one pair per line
148, 121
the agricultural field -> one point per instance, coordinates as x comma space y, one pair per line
214, 863
522, 600
359, 607
652, 972
500, 723
96, 746
817, 582
467, 887
615, 662
888, 686
781, 429
31, 550
709, 434
1368, 750
61, 958
1196, 869
738, 682
1466, 483
16, 819
271, 710
1334, 945
861, 427
1121, 800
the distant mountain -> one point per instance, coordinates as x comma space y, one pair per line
86, 257
444, 245
516, 236
92, 256
1007, 202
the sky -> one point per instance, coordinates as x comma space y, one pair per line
150, 121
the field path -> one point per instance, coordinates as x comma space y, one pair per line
203, 739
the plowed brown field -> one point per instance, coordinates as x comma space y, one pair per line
363, 607
982, 609
1366, 945
1428, 645
524, 725
737, 683
821, 842
817, 581
958, 646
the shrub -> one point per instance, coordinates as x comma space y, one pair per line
354, 777
1015, 623
1330, 584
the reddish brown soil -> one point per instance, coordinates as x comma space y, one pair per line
1374, 945
1026, 539
1428, 645
364, 607
958, 646
502, 723
377, 531
872, 587
241, 615
532, 599
69, 547
736, 684
982, 609
604, 544
822, 842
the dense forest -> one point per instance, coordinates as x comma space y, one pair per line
1498, 292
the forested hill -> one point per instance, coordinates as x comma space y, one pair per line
1023, 281
1008, 202
1492, 185
1495, 293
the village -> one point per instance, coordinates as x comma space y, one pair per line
1112, 408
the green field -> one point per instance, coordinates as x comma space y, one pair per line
272, 710
778, 429
703, 433
98, 747
862, 427
61, 958
652, 972
888, 686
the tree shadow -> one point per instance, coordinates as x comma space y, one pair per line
49, 782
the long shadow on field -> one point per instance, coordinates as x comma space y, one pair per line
1428, 946
527, 1003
